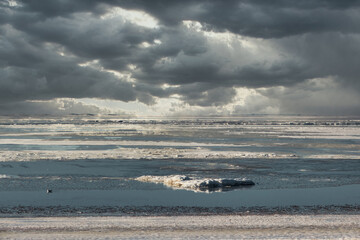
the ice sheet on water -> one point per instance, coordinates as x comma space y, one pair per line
136, 153
197, 184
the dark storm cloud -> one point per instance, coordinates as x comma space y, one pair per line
49, 9
33, 70
62, 48
259, 18
90, 37
265, 19
173, 42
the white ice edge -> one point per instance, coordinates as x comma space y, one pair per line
109, 142
196, 184
333, 156
309, 132
134, 153
295, 130
146, 153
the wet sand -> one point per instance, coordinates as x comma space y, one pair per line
178, 227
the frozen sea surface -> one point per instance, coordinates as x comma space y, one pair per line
90, 162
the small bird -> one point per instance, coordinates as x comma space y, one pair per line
48, 191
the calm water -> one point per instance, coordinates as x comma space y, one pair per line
94, 162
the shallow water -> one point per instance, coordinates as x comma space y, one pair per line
344, 195
94, 162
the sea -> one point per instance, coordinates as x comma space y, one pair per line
108, 165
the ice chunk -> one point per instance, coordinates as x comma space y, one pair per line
8, 176
202, 184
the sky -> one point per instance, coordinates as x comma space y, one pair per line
179, 58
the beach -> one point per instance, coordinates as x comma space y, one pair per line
329, 226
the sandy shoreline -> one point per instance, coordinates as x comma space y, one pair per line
164, 227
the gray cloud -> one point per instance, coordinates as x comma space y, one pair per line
314, 97
34, 70
63, 48
265, 19
327, 54
196, 95
58, 108
259, 18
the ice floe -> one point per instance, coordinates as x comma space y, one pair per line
197, 184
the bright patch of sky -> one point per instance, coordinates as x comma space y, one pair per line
137, 17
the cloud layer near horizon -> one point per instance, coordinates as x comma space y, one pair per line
293, 56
